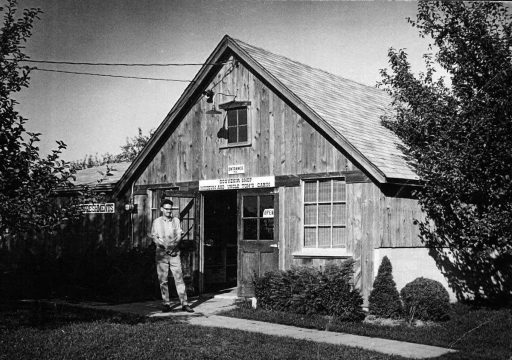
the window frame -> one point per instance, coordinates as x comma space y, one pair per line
236, 106
316, 251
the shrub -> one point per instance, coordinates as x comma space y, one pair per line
308, 290
425, 299
384, 299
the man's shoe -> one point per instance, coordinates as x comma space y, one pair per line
187, 308
166, 308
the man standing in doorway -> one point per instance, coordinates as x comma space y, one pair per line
166, 233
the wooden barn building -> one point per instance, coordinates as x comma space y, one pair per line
274, 164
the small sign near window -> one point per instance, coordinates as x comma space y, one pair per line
268, 213
107, 208
236, 169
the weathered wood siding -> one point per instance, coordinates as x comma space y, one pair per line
282, 142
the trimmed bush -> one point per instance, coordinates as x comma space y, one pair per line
308, 290
425, 299
384, 300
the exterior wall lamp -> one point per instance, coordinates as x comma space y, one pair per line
210, 96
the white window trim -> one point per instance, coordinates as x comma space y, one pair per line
242, 104
307, 252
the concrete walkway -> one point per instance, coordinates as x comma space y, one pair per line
208, 308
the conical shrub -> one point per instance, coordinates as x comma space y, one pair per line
384, 300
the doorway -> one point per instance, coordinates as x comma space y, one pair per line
220, 240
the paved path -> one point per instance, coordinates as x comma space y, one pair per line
391, 347
207, 310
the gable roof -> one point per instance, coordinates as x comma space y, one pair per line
351, 108
348, 112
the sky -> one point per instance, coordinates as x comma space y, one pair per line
95, 115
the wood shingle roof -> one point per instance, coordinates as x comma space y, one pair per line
352, 109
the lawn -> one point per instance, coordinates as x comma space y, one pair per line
476, 333
44, 332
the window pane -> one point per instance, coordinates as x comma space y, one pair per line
324, 214
242, 133
310, 215
250, 206
310, 192
232, 136
339, 213
242, 116
232, 118
339, 237
324, 237
324, 191
266, 202
339, 190
250, 230
266, 229
309, 237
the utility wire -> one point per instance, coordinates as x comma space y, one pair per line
110, 75
120, 64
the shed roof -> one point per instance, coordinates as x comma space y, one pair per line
90, 176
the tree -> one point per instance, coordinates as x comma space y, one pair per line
129, 152
134, 146
27, 180
459, 138
384, 298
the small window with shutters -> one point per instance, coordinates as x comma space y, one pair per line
325, 214
237, 123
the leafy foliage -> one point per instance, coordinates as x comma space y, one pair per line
129, 152
384, 298
425, 299
27, 180
459, 138
308, 290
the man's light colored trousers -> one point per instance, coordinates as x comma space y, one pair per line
164, 263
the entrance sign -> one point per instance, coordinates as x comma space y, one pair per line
237, 183
268, 213
107, 208
236, 169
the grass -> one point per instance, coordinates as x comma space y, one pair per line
63, 332
476, 333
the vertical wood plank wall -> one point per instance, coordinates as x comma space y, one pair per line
283, 143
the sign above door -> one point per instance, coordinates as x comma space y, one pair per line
237, 183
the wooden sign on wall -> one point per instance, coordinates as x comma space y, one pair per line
237, 183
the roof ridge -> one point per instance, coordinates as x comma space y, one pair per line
309, 66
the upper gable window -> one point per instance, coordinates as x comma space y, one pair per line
237, 125
238, 122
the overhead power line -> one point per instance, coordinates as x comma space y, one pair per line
120, 64
110, 75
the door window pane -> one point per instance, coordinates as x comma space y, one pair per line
250, 206
266, 202
266, 229
250, 229
255, 225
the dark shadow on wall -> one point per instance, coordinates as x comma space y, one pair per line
483, 279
